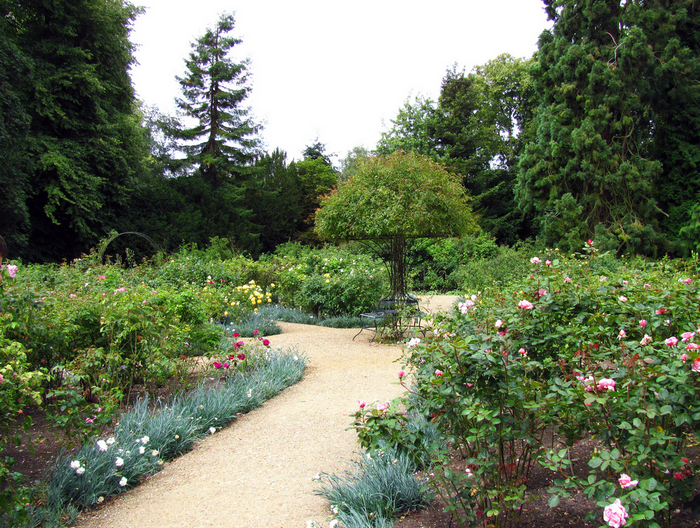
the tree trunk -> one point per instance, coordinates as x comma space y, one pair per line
397, 268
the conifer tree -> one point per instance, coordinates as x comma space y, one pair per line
214, 88
589, 173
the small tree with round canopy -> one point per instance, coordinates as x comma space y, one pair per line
393, 198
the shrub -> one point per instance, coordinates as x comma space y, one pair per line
332, 282
568, 347
434, 264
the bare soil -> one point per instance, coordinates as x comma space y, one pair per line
260, 471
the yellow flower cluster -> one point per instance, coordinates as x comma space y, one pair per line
255, 293
243, 298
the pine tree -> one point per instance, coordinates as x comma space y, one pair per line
223, 141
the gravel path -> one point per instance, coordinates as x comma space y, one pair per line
259, 471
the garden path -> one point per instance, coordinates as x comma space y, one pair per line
259, 471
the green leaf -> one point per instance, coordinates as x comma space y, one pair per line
553, 501
595, 462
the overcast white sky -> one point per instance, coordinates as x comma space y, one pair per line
330, 69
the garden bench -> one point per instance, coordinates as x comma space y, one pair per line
400, 316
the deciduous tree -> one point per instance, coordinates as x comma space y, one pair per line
392, 198
84, 140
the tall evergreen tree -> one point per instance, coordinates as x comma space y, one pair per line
277, 200
589, 173
672, 30
223, 141
482, 121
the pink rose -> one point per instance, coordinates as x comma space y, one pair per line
567, 279
626, 482
622, 298
645, 340
684, 357
266, 342
522, 352
687, 281
381, 407
241, 356
661, 311
535, 260
622, 334
438, 372
687, 336
671, 341
643, 323
615, 514
361, 403
401, 373
525, 305
607, 384
217, 365
11, 270
692, 346
498, 324
255, 332
696, 365
548, 263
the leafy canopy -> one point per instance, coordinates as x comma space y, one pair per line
402, 194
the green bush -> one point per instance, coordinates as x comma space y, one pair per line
332, 281
433, 263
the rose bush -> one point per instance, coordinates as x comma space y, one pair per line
561, 349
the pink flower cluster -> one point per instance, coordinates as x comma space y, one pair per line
607, 384
525, 305
465, 306
603, 384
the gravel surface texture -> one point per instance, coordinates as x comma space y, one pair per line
259, 472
